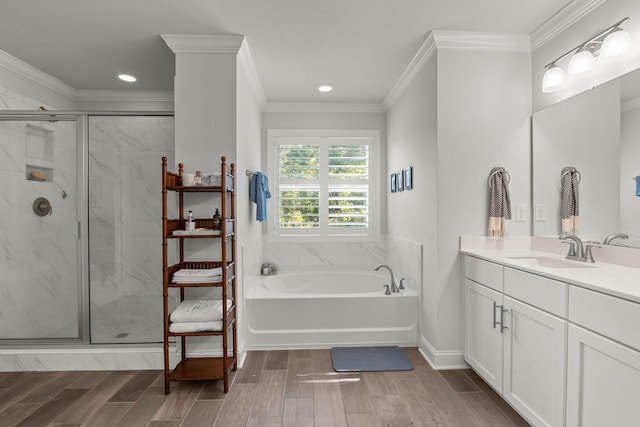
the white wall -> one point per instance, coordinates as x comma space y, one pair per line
630, 168
205, 109
484, 108
248, 156
412, 141
465, 112
583, 132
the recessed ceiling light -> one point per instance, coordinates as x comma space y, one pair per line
127, 78
325, 87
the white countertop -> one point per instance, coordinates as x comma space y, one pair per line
617, 280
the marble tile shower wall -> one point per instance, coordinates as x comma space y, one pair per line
125, 211
38, 255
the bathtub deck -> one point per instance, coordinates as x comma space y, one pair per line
274, 388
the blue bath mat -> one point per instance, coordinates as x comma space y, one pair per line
369, 359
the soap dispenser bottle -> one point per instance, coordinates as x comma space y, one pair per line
217, 220
190, 225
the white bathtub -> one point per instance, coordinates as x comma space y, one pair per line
315, 309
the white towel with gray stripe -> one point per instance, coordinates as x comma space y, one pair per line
499, 202
570, 207
201, 310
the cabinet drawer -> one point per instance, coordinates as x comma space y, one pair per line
546, 294
484, 272
612, 317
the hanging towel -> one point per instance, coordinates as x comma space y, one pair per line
259, 193
499, 202
569, 208
637, 178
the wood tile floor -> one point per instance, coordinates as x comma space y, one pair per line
275, 388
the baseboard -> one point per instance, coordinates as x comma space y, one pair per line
84, 358
441, 360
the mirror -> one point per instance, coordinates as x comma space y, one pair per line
598, 133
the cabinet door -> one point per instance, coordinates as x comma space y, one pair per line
534, 363
483, 339
602, 381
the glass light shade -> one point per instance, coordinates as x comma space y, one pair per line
553, 78
582, 62
616, 43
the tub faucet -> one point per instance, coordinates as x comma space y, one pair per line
578, 253
394, 287
609, 238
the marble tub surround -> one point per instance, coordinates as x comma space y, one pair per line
325, 254
615, 271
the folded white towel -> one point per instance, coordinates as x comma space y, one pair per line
212, 279
183, 327
198, 272
198, 311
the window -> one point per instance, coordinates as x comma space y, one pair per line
323, 183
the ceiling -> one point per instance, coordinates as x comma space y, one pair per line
360, 46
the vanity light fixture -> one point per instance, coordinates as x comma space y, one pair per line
582, 62
325, 87
127, 78
613, 41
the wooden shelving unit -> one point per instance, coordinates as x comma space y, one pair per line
201, 368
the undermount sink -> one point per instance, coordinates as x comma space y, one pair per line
549, 262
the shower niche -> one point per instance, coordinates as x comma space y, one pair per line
39, 153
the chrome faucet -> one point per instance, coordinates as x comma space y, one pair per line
394, 287
609, 238
576, 253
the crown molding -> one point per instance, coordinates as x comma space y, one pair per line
179, 43
416, 64
30, 72
246, 64
562, 20
124, 95
321, 107
472, 40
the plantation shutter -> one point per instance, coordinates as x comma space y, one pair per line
323, 186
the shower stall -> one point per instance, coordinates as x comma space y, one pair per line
80, 228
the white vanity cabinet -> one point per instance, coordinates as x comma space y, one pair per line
483, 336
515, 337
603, 371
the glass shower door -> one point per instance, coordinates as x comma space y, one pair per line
125, 228
40, 292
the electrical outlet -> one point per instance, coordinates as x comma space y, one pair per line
541, 214
520, 215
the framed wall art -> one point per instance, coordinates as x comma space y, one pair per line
408, 178
400, 179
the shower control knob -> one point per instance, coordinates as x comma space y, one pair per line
42, 207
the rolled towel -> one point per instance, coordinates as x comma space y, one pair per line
185, 327
198, 272
198, 311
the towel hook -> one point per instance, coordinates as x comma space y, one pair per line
500, 170
572, 170
249, 173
